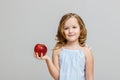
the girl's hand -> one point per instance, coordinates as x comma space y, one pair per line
45, 57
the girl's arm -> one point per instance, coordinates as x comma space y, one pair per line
55, 60
51, 67
89, 64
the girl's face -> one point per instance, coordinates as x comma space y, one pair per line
72, 30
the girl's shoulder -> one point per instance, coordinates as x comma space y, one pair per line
87, 48
57, 51
87, 51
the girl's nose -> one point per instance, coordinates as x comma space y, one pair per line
70, 30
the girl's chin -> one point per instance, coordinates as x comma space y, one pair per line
72, 40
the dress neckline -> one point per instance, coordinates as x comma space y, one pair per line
71, 49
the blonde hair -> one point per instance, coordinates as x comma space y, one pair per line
60, 36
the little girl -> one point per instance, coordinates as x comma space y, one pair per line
71, 58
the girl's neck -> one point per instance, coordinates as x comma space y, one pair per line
72, 45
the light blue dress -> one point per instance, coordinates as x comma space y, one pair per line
72, 64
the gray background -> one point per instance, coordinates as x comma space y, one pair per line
23, 23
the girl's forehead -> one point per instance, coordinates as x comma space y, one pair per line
71, 21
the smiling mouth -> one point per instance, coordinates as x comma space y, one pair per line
70, 35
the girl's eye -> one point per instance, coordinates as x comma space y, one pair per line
66, 28
74, 27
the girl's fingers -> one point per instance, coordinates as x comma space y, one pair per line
37, 55
41, 56
34, 54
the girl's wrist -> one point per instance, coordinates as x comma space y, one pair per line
47, 58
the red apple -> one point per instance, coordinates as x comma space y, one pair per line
40, 48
